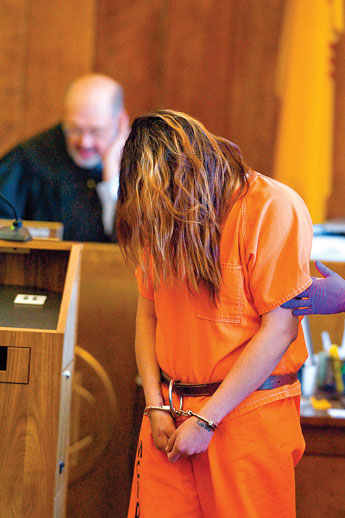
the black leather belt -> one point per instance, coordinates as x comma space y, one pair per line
207, 389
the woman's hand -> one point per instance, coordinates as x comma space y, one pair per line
190, 438
162, 428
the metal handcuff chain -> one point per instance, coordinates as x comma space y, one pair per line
210, 425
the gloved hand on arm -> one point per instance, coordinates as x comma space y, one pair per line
324, 297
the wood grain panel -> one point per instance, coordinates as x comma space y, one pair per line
18, 366
215, 60
31, 447
108, 296
13, 407
325, 436
29, 269
30, 432
320, 486
196, 61
130, 48
13, 44
41, 441
60, 48
44, 45
251, 106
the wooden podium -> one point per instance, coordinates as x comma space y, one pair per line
36, 367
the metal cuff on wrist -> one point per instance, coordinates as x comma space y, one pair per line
210, 425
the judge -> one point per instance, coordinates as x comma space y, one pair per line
69, 173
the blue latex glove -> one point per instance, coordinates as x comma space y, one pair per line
324, 297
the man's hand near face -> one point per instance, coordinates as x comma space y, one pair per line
112, 156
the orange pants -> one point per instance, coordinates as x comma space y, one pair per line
247, 471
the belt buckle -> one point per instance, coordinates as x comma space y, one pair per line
175, 413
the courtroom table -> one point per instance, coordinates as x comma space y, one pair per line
320, 475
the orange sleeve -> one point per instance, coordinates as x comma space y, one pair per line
145, 287
277, 237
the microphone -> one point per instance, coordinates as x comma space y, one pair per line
16, 232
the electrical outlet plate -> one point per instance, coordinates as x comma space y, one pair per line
36, 300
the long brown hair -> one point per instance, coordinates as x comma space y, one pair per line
177, 181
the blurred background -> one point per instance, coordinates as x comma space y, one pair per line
217, 60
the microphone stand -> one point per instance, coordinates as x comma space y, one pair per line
15, 232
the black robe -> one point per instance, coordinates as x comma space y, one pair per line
44, 184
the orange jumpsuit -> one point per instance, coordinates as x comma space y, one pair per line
248, 468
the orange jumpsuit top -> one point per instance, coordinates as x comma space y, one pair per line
264, 253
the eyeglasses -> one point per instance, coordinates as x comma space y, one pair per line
75, 132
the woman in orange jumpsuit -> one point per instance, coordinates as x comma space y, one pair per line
219, 248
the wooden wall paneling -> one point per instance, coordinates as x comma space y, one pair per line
13, 405
214, 60
320, 474
251, 105
13, 44
130, 48
197, 59
320, 487
60, 47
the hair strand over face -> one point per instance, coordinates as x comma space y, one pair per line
177, 181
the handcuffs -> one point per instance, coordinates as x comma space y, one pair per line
211, 426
